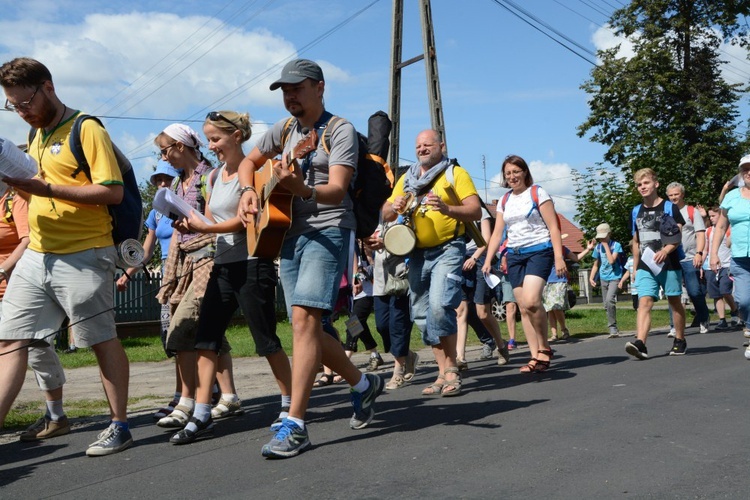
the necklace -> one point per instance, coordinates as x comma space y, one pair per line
42, 148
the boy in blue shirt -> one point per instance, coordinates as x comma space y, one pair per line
606, 254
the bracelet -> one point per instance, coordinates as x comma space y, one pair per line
699, 253
49, 190
248, 188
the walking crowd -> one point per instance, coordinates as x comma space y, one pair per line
285, 213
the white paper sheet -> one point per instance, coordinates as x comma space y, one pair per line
14, 163
170, 205
648, 258
492, 279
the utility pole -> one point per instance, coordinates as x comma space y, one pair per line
431, 67
484, 174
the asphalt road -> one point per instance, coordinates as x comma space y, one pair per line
598, 425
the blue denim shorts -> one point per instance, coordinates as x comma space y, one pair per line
311, 267
435, 284
668, 279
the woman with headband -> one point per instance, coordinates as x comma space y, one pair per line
187, 269
237, 280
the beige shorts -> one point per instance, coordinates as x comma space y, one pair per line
184, 325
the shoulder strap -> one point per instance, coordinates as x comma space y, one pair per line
505, 200
287, 130
691, 213
633, 216
77, 149
535, 196
328, 131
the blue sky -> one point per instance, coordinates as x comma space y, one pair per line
506, 88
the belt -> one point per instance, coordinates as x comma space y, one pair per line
531, 249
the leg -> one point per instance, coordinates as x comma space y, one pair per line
678, 313
697, 296
462, 318
208, 363
609, 295
12, 373
224, 374
114, 369
643, 317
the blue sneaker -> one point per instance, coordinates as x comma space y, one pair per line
290, 441
363, 402
111, 440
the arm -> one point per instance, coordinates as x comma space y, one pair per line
547, 209
468, 211
92, 194
594, 269
577, 257
246, 171
10, 262
611, 257
149, 246
624, 279
719, 232
725, 189
494, 243
700, 247
486, 234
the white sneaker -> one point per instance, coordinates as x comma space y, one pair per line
746, 333
704, 327
672, 333
747, 353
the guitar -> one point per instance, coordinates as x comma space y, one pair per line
265, 234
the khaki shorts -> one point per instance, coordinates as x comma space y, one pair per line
184, 325
45, 288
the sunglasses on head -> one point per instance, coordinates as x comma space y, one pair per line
215, 116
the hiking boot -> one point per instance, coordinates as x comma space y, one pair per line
45, 428
111, 440
722, 325
226, 408
396, 382
363, 402
637, 349
486, 351
205, 429
678, 348
289, 441
503, 355
411, 365
511, 344
672, 333
178, 419
375, 362
276, 424
704, 327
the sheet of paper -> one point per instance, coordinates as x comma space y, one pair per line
648, 258
14, 163
492, 279
170, 205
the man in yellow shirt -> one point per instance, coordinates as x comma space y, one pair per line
68, 268
436, 262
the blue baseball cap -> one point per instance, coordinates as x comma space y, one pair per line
164, 168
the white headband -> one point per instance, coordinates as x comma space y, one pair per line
184, 134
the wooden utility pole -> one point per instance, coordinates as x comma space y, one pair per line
431, 67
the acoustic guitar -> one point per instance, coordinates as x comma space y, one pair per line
265, 234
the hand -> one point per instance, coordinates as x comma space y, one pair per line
715, 264
591, 244
122, 282
181, 226
697, 261
399, 204
195, 224
357, 288
592, 283
660, 256
35, 186
487, 267
291, 180
469, 264
561, 269
248, 207
373, 243
436, 203
620, 284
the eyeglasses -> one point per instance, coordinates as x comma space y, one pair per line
215, 116
165, 151
745, 171
21, 106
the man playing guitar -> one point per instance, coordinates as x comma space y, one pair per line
317, 247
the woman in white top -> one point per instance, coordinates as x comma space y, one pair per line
534, 246
236, 280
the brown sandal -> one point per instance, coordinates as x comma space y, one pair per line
452, 387
542, 365
324, 380
529, 367
435, 388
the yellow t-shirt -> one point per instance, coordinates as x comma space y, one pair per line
430, 226
62, 227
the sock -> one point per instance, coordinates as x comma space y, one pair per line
177, 396
362, 385
232, 398
374, 354
286, 401
55, 410
122, 425
188, 402
298, 421
202, 412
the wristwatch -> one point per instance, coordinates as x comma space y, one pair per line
3, 273
699, 253
313, 195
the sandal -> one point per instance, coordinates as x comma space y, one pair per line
543, 365
529, 367
452, 387
338, 379
324, 380
435, 388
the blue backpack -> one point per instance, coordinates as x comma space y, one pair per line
667, 211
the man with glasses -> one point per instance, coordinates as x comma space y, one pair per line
68, 268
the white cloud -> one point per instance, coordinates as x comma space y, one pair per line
605, 38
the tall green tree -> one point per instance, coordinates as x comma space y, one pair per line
667, 107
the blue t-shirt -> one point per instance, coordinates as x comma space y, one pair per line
738, 213
553, 277
607, 271
162, 227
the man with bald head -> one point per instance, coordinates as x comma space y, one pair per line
435, 265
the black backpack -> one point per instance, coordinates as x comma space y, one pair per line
374, 181
127, 216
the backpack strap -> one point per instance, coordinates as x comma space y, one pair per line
77, 149
505, 200
287, 130
691, 213
633, 216
328, 131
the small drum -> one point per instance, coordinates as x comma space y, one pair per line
399, 239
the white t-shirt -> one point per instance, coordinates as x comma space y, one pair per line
471, 245
524, 223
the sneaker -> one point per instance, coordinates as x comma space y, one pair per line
672, 333
565, 334
112, 440
167, 410
614, 334
734, 318
70, 350
45, 428
722, 325
704, 327
503, 355
363, 402
746, 333
396, 382
511, 344
178, 419
411, 365
289, 441
462, 365
637, 349
205, 429
486, 351
375, 363
678, 348
276, 424
226, 408
747, 353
